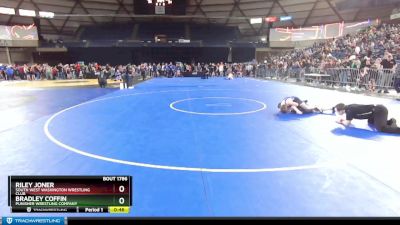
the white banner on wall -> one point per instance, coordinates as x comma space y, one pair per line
18, 36
395, 16
160, 9
322, 32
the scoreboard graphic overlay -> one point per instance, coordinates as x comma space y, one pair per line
70, 194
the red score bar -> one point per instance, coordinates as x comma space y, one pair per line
79, 189
271, 19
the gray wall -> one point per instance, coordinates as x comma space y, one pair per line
17, 55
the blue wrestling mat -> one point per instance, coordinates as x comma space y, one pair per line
213, 147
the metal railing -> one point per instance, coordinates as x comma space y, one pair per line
366, 77
370, 78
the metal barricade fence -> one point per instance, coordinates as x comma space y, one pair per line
382, 79
264, 72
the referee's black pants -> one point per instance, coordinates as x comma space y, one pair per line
125, 82
380, 121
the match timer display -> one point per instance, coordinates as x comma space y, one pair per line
79, 194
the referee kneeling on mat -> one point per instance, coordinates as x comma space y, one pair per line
376, 115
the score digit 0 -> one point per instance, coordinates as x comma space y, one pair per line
121, 189
121, 200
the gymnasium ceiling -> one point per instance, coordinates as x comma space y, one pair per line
70, 14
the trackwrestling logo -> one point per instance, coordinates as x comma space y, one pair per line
33, 220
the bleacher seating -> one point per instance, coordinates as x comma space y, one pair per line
120, 35
213, 34
107, 32
147, 31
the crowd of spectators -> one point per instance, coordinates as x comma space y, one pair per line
376, 48
350, 51
94, 70
369, 58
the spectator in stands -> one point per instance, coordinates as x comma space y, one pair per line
10, 73
221, 69
105, 73
386, 78
179, 70
159, 72
54, 72
48, 71
29, 72
142, 69
199, 67
153, 70
173, 69
35, 72
118, 73
78, 70
60, 72
163, 69
168, 70
365, 80
126, 76
22, 72
2, 73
